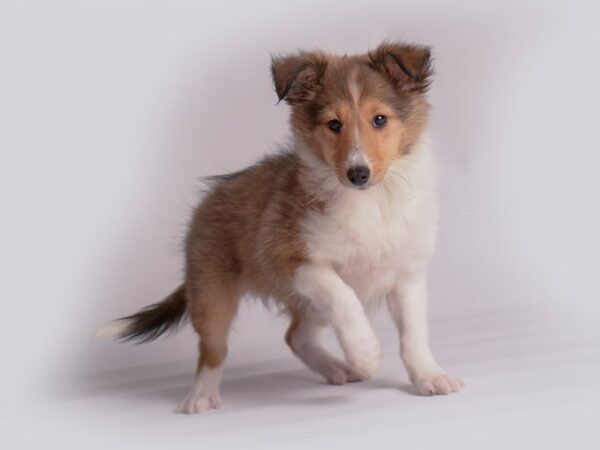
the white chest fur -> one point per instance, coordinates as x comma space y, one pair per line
374, 237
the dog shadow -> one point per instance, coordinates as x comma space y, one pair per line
244, 387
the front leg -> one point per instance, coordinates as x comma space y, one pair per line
338, 304
408, 307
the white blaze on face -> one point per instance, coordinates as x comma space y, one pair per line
356, 157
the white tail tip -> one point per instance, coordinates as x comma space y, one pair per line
113, 330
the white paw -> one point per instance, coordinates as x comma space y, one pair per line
199, 403
364, 357
338, 372
434, 383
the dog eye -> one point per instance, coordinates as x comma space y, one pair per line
335, 125
379, 121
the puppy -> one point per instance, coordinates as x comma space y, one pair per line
340, 222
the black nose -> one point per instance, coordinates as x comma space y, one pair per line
358, 175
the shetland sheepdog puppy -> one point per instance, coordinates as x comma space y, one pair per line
341, 221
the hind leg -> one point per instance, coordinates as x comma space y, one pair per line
212, 310
303, 338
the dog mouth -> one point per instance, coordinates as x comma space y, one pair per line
360, 188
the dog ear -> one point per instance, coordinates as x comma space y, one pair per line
409, 67
297, 77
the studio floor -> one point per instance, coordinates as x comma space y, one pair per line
533, 381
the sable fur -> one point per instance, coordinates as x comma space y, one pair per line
293, 229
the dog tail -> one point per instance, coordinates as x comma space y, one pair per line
149, 323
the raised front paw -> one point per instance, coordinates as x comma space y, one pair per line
338, 372
434, 383
364, 358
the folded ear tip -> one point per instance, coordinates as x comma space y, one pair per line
296, 75
408, 65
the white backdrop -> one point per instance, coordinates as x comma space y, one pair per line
111, 112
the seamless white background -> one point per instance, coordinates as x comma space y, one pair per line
110, 112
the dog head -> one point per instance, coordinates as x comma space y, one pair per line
357, 114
